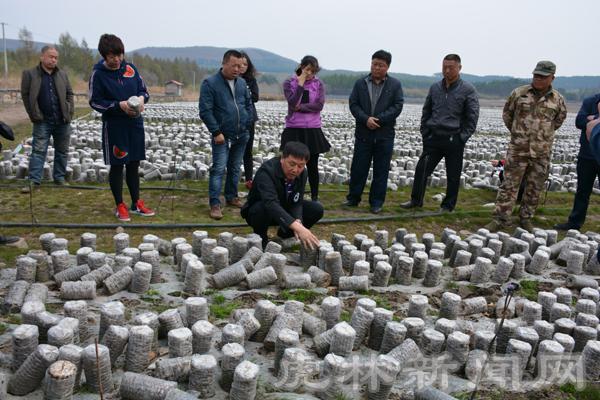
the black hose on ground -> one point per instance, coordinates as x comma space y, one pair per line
166, 188
59, 225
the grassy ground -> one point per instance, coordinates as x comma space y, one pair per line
52, 204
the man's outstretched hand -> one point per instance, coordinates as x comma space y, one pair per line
304, 235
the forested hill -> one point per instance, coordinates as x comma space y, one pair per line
190, 65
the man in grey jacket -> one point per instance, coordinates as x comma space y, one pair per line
449, 118
48, 100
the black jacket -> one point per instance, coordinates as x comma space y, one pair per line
588, 107
450, 111
388, 107
253, 88
268, 186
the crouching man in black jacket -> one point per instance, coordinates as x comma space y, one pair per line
277, 198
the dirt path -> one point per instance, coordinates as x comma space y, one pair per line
13, 114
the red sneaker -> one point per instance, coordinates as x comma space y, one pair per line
141, 209
122, 213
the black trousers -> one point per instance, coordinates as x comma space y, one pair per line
587, 171
312, 167
377, 151
132, 177
258, 218
451, 149
248, 162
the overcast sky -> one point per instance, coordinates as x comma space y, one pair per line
501, 37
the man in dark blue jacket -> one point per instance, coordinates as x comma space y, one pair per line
593, 136
587, 167
449, 118
226, 110
375, 102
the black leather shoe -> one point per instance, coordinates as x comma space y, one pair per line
376, 210
9, 239
410, 204
350, 203
565, 226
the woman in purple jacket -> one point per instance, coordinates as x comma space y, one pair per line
305, 95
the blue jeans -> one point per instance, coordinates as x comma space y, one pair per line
227, 156
379, 151
41, 136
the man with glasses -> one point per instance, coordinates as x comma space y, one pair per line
376, 102
532, 114
449, 119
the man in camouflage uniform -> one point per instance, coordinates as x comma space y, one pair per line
532, 114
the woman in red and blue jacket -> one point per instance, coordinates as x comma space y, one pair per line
117, 91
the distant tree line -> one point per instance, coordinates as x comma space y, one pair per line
414, 86
78, 60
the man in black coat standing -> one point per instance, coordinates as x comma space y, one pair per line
375, 102
587, 167
277, 198
449, 118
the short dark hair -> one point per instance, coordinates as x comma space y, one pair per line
296, 149
383, 55
48, 47
251, 71
231, 53
306, 61
452, 57
110, 44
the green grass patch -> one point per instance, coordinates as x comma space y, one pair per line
152, 292
221, 308
3, 327
223, 311
14, 319
54, 307
451, 285
218, 299
589, 392
433, 313
345, 316
302, 295
342, 396
380, 299
529, 289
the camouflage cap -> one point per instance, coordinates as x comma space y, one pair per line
545, 68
